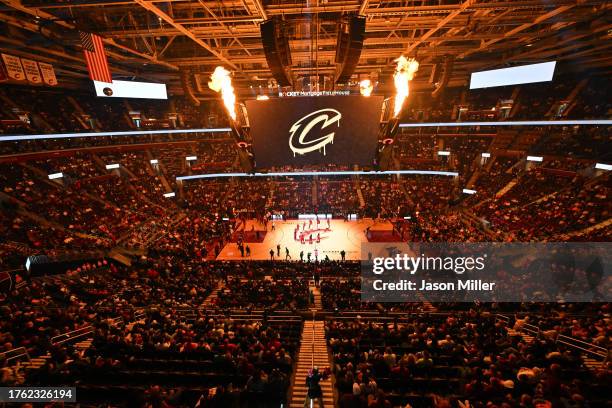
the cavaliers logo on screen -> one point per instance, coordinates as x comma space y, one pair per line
299, 141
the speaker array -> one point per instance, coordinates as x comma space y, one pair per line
187, 84
348, 47
449, 61
276, 49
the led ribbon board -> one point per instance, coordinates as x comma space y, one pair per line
319, 173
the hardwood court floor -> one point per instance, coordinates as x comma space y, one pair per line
341, 235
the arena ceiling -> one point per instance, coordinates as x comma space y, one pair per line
154, 39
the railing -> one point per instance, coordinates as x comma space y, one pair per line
17, 353
72, 335
583, 346
571, 342
530, 329
502, 318
312, 343
285, 316
139, 315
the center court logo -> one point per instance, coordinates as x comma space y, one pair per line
301, 144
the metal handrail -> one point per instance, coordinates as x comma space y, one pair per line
530, 328
72, 335
503, 318
572, 342
13, 354
312, 343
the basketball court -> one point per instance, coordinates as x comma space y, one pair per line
340, 235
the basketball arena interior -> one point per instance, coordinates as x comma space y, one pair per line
318, 203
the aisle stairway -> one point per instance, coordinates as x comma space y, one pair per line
357, 186
212, 298
527, 337
313, 352
506, 188
316, 294
593, 364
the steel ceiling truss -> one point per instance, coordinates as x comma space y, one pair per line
480, 34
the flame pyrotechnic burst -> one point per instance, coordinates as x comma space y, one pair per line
404, 72
220, 80
365, 87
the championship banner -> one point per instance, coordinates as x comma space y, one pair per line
31, 70
13, 67
48, 73
314, 130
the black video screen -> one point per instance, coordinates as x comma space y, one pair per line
301, 131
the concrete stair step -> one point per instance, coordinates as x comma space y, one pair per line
313, 351
301, 394
300, 404
303, 388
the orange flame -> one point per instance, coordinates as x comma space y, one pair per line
365, 87
220, 80
404, 73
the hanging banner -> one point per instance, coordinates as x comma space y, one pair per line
48, 73
31, 70
13, 67
3, 74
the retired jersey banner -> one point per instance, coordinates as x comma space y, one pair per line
31, 71
314, 130
48, 73
13, 67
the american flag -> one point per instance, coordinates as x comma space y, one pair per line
97, 64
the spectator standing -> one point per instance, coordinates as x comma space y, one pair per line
314, 388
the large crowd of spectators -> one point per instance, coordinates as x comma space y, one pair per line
446, 361
170, 328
